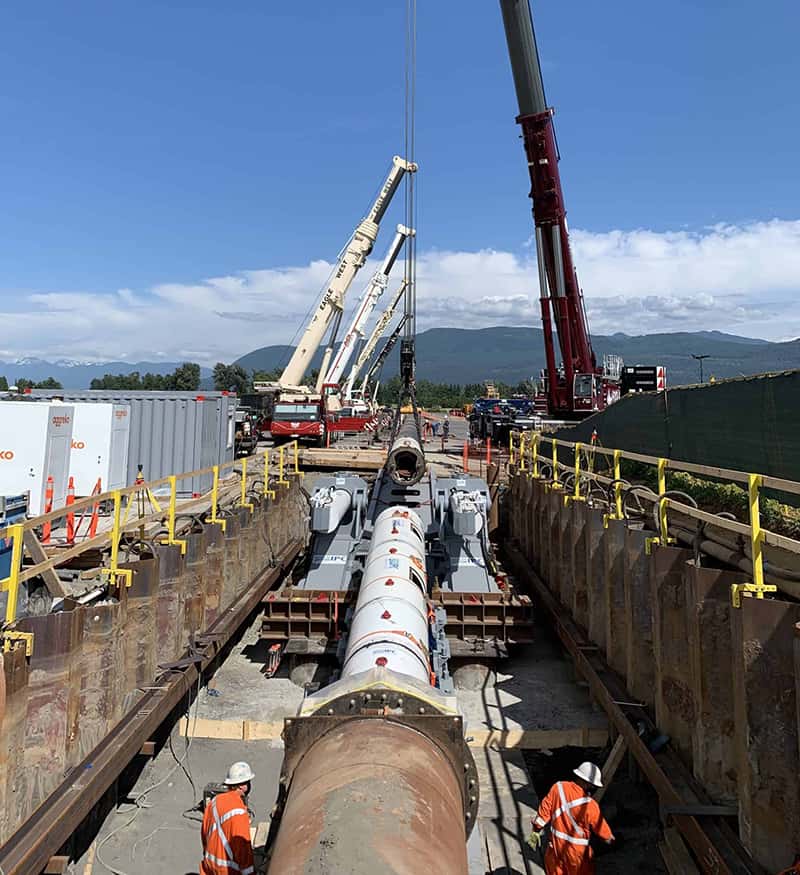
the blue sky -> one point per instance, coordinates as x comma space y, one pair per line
155, 146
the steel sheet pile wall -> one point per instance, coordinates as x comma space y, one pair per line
722, 682
89, 664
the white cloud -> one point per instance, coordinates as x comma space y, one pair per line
743, 279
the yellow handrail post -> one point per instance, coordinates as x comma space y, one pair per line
114, 571
618, 484
281, 479
511, 455
556, 481
243, 494
173, 502
268, 493
16, 533
662, 538
297, 472
758, 587
535, 455
522, 442
214, 495
576, 494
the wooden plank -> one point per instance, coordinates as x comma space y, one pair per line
507, 804
676, 857
536, 739
56, 866
229, 730
49, 576
611, 765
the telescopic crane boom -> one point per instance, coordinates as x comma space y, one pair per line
583, 386
350, 262
369, 300
369, 347
382, 355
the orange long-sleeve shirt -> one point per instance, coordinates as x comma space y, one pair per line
573, 817
227, 849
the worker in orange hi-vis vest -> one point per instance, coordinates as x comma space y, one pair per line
573, 817
227, 848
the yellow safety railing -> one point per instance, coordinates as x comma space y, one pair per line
123, 520
758, 537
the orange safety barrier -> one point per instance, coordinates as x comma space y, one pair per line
48, 506
71, 515
488, 451
466, 457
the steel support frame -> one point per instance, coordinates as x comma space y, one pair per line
717, 849
41, 836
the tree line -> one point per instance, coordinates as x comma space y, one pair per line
449, 395
22, 384
185, 378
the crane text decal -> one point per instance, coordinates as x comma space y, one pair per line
77, 445
61, 420
6, 455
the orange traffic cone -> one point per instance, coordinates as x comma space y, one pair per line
71, 515
95, 510
48, 506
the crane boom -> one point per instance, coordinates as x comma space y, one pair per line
382, 355
369, 300
350, 262
369, 347
582, 387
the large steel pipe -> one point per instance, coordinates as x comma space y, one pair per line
372, 796
406, 460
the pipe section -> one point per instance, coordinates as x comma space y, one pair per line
372, 796
390, 623
328, 508
405, 463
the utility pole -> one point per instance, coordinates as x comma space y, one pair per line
700, 358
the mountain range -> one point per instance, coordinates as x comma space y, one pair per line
509, 355
78, 374
460, 355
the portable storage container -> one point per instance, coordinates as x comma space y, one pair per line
170, 432
34, 444
99, 448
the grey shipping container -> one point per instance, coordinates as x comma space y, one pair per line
171, 432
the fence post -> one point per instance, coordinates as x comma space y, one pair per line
16, 533
556, 484
535, 455
297, 472
757, 587
576, 495
522, 452
243, 493
173, 501
281, 479
114, 571
511, 448
214, 496
268, 493
618, 484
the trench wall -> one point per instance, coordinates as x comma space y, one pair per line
90, 664
722, 682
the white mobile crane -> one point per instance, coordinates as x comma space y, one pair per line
330, 382
350, 262
348, 393
299, 412
379, 361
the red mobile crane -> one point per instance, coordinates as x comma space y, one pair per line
579, 387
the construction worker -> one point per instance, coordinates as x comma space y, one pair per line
227, 847
573, 817
446, 427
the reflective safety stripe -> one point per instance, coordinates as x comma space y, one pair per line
565, 809
568, 838
223, 839
223, 864
232, 813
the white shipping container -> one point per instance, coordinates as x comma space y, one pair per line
99, 447
34, 444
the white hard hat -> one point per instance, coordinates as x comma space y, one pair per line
591, 773
239, 773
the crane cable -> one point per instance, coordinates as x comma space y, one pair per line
410, 274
